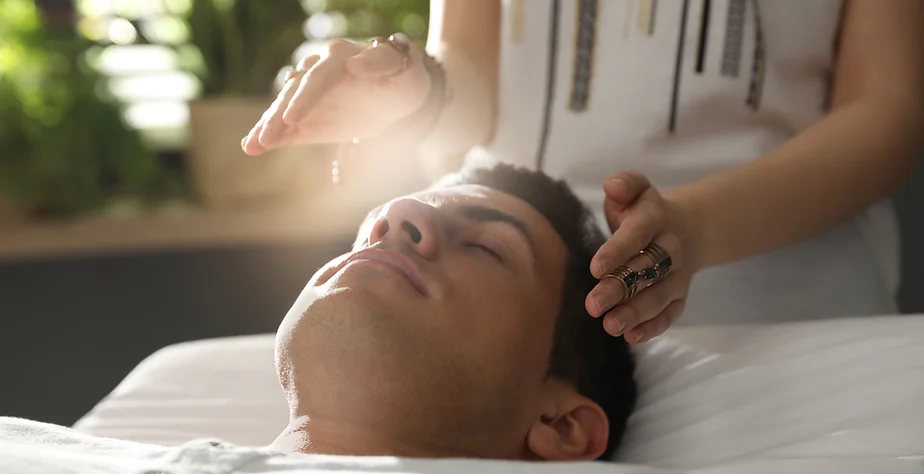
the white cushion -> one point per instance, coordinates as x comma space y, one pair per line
225, 388
710, 395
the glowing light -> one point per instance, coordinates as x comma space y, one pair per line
118, 60
161, 114
319, 26
93, 29
166, 30
94, 8
173, 85
122, 32
340, 24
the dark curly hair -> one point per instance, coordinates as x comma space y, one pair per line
600, 366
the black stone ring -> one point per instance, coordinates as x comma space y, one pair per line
661, 260
650, 273
629, 279
664, 267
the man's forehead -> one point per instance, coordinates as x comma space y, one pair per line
460, 193
445, 196
459, 196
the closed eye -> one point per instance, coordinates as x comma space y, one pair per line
486, 249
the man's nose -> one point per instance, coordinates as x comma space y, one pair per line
409, 222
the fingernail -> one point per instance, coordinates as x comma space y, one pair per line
619, 325
618, 182
599, 302
639, 336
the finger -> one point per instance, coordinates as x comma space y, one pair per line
307, 63
610, 291
643, 307
626, 186
274, 128
642, 222
267, 134
655, 327
378, 61
615, 213
318, 82
670, 244
251, 143
604, 296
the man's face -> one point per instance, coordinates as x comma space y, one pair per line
442, 315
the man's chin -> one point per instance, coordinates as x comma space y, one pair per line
345, 311
347, 336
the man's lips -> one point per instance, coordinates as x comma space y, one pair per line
391, 258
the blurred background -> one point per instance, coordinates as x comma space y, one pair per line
129, 217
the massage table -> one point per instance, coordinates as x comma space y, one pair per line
839, 396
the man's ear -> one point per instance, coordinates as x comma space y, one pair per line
572, 428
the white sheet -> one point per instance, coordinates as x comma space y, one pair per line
28, 447
827, 396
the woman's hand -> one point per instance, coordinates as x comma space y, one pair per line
639, 215
356, 91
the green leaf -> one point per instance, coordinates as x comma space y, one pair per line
64, 148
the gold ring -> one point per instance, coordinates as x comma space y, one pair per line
661, 260
629, 279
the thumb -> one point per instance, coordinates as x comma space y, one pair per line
379, 61
614, 212
625, 187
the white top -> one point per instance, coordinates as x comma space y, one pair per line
679, 89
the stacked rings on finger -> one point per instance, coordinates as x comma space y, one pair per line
629, 279
661, 260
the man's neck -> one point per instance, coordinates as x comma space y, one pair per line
340, 437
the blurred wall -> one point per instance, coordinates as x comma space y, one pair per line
910, 205
70, 330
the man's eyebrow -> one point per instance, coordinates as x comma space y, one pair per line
489, 214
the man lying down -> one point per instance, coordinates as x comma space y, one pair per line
455, 328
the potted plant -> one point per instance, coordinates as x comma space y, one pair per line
64, 148
244, 44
